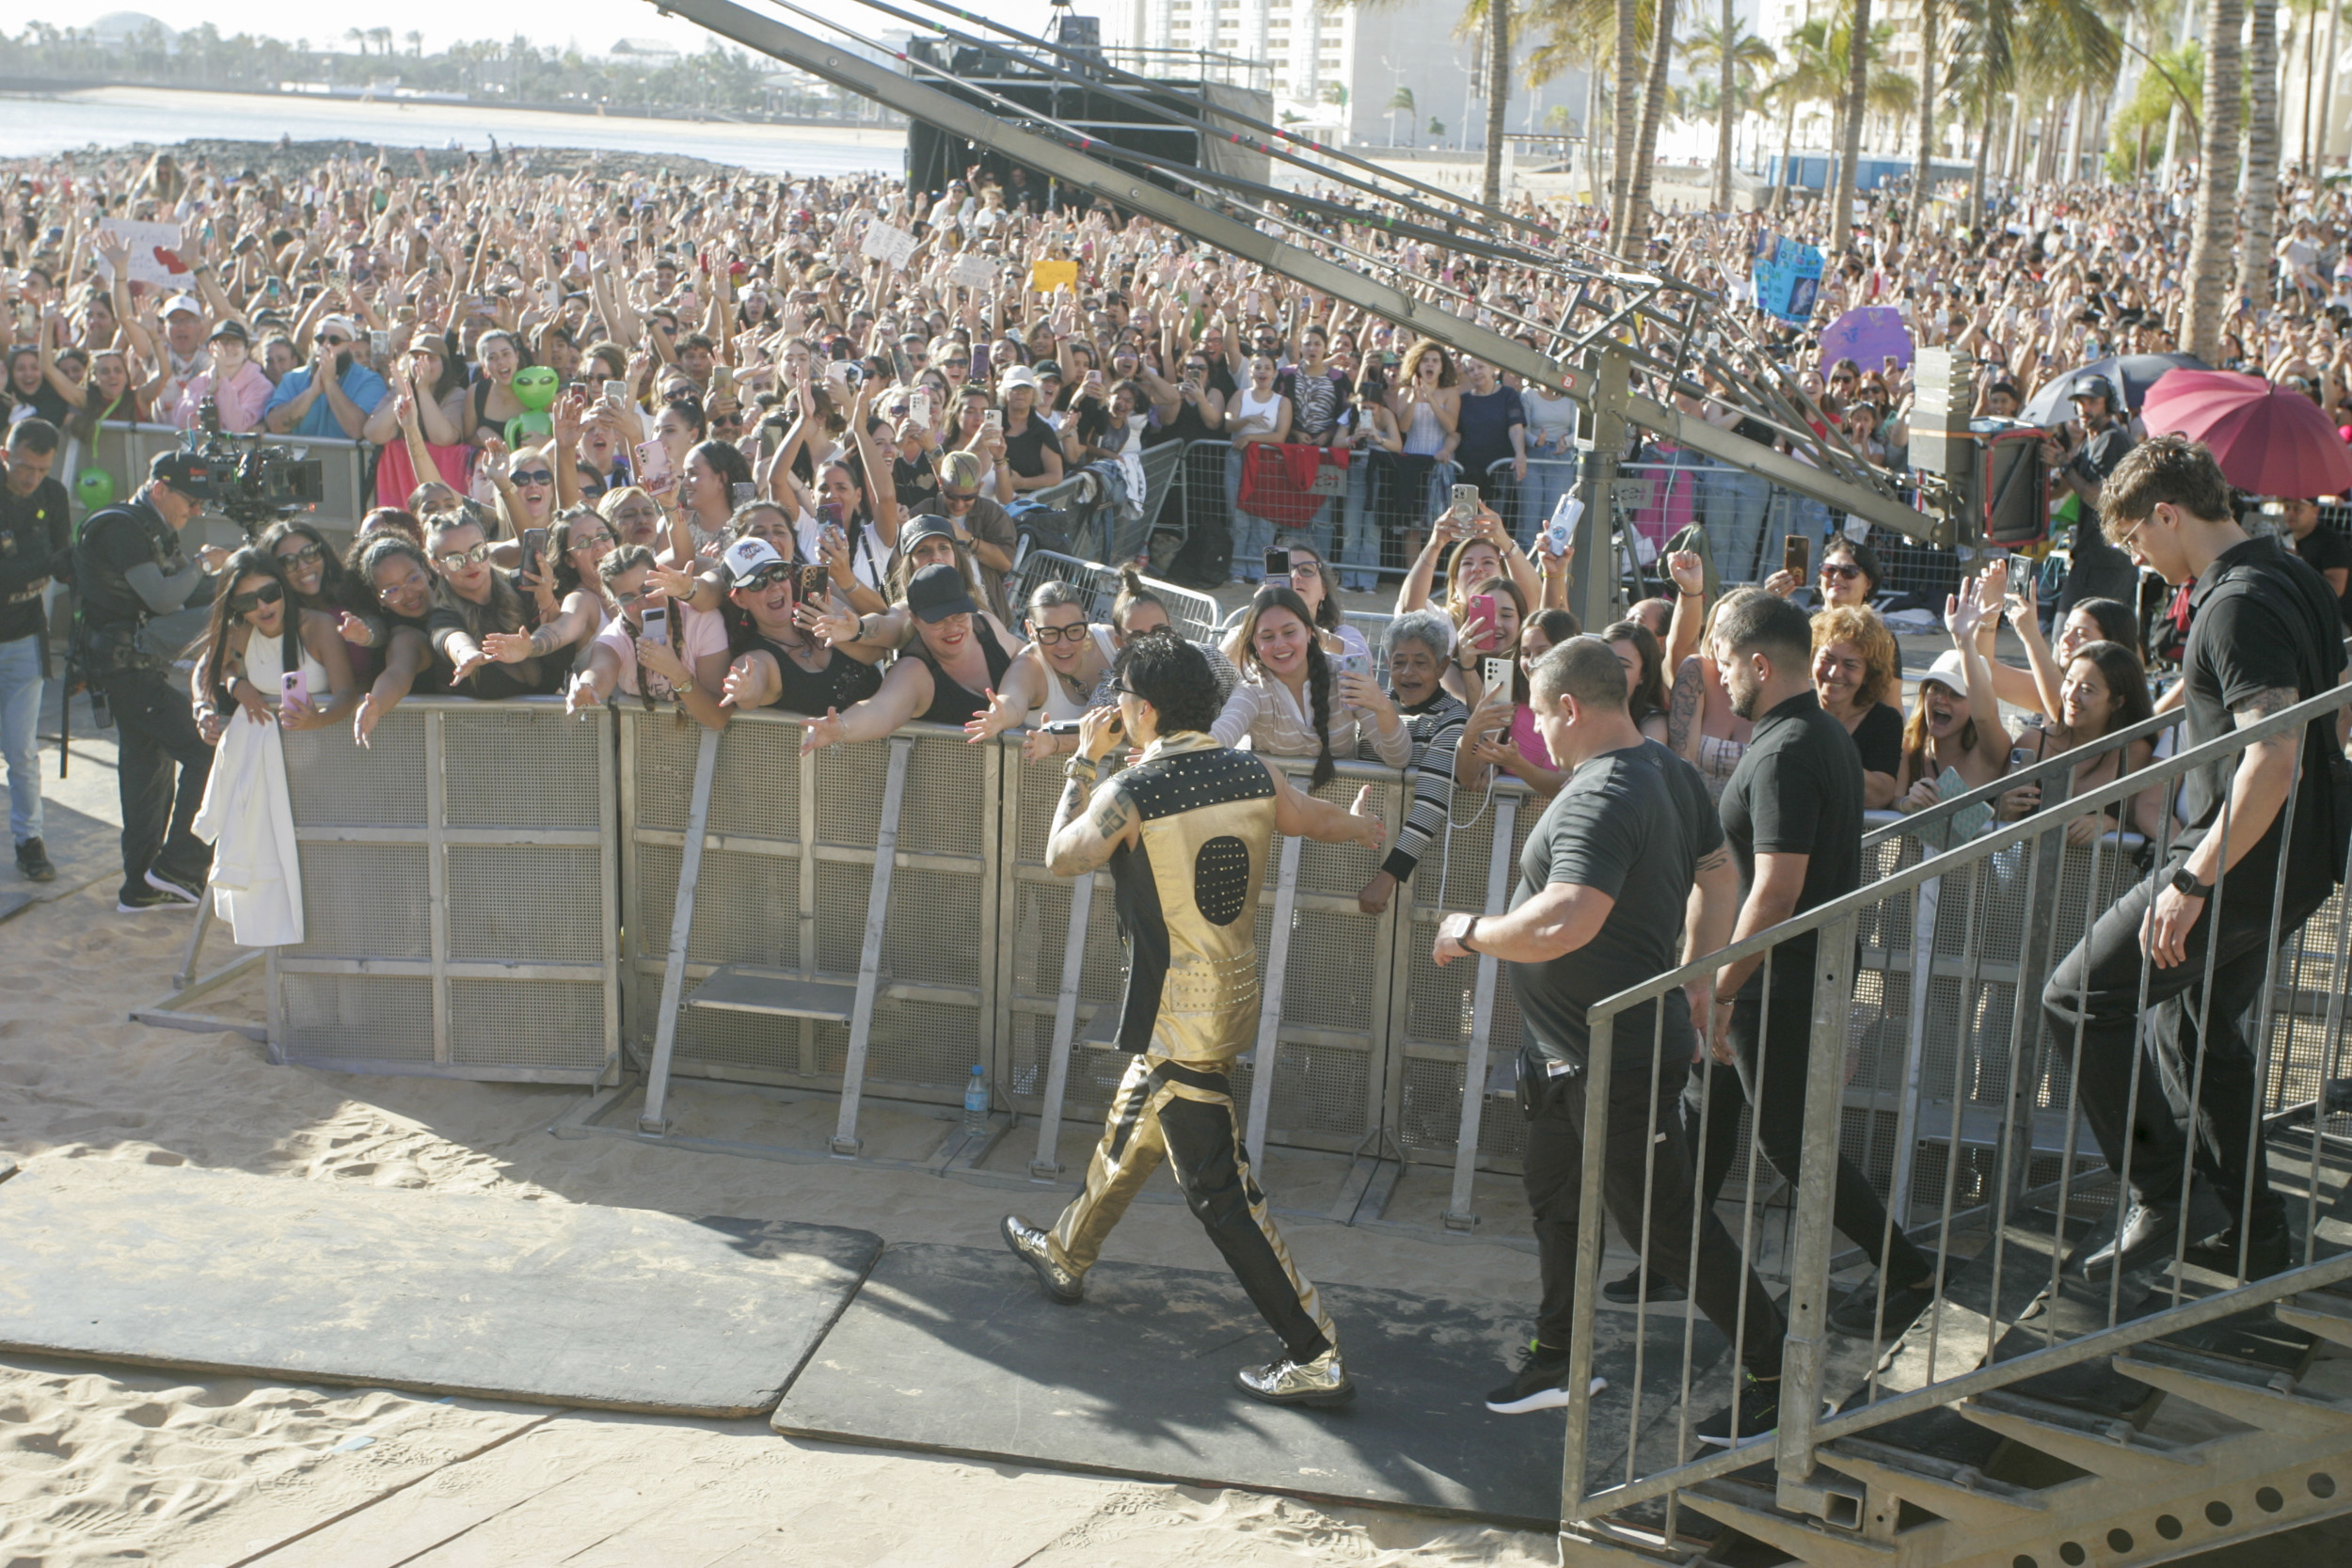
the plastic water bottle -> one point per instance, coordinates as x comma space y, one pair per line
975, 1101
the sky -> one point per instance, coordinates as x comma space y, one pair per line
593, 25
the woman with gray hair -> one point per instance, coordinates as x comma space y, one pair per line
1418, 645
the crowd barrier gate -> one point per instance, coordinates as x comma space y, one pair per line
459, 896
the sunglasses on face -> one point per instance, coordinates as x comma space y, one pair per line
536, 476
629, 600
731, 422
245, 604
957, 364
308, 555
1844, 570
455, 560
333, 341
767, 577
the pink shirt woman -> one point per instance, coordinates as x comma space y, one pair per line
238, 386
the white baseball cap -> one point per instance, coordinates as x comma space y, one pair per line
746, 557
178, 302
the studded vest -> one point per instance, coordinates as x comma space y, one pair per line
1188, 898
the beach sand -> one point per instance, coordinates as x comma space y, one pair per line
101, 1464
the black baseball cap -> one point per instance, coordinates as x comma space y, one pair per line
939, 591
920, 528
184, 471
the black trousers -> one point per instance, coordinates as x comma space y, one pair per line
1770, 1073
161, 767
1642, 1147
1183, 1113
2097, 989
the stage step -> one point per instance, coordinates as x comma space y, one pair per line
739, 988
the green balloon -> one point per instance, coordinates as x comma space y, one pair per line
96, 488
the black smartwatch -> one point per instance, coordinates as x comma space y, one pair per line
2186, 883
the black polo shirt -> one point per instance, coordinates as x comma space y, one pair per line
1797, 791
1634, 825
2323, 550
2260, 619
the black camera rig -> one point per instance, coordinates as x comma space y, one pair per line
255, 483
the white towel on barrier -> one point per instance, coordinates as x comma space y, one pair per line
248, 817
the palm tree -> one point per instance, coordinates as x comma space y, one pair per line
356, 35
2262, 154
2211, 238
1738, 68
1632, 235
1577, 33
1401, 103
1498, 20
416, 43
1858, 40
1923, 178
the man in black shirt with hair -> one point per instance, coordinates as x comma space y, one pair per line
1626, 858
2096, 569
2263, 636
1792, 812
128, 569
34, 531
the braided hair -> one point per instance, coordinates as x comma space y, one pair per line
1318, 671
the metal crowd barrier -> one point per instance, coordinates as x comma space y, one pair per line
790, 970
1928, 1058
459, 909
1098, 523
1194, 613
347, 473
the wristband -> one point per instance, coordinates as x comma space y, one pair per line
1463, 942
1081, 769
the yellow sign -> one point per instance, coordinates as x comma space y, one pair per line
1045, 276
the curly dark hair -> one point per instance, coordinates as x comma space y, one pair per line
1173, 677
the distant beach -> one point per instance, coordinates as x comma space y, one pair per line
43, 125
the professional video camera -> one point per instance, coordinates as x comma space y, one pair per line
255, 482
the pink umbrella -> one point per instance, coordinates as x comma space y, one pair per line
2269, 441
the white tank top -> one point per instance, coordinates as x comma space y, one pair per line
264, 666
1059, 706
1268, 409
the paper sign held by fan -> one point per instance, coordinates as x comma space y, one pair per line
893, 246
972, 272
155, 258
1045, 276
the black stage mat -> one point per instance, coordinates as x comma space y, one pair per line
554, 1302
954, 1350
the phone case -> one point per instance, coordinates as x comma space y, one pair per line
297, 686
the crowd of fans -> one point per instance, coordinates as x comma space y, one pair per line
697, 441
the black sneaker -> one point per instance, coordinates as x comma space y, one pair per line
141, 901
190, 894
2270, 1250
1858, 1317
32, 862
1755, 1415
1540, 1384
1628, 1292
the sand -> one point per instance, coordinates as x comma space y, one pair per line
103, 1464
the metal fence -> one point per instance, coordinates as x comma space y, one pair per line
1931, 1062
459, 896
347, 476
782, 891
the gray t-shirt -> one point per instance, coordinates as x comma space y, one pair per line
1634, 825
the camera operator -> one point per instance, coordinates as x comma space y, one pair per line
33, 531
310, 404
2096, 569
129, 569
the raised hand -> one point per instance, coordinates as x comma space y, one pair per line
1374, 831
507, 647
1688, 571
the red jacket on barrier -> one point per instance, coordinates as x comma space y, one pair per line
1278, 481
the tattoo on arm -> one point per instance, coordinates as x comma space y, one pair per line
1074, 802
1113, 815
1715, 860
1684, 713
1076, 850
2261, 705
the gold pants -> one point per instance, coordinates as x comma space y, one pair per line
1183, 1113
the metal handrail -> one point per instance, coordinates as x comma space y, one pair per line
1846, 906
2039, 767
1803, 1429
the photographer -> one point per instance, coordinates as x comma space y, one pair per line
129, 569
308, 403
34, 531
2096, 569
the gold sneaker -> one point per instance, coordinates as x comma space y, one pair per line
1034, 1247
1323, 1381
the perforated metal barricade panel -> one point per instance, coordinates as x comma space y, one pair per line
786, 873
460, 895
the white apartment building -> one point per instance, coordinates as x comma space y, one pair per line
1343, 67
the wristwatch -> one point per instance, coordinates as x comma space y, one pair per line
2186, 883
1468, 931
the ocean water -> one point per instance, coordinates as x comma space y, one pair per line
110, 116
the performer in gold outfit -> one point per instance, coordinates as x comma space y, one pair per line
1184, 832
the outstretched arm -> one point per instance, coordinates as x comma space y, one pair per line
1093, 818
1304, 816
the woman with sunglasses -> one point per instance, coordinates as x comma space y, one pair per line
318, 579
256, 636
525, 486
686, 664
774, 659
1847, 579
399, 576
482, 626
1187, 408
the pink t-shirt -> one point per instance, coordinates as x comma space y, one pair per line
706, 634
1529, 739
241, 399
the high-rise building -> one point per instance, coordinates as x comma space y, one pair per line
1355, 69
